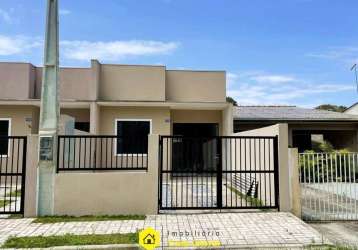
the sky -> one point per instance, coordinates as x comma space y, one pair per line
277, 52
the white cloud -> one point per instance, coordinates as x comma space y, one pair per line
231, 78
5, 15
346, 54
273, 78
64, 12
85, 50
262, 90
18, 44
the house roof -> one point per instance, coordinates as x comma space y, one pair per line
288, 113
353, 105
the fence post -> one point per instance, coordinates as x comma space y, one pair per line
153, 167
295, 183
284, 175
30, 206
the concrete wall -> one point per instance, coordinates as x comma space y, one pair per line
195, 86
24, 119
75, 84
80, 115
132, 83
117, 192
107, 82
16, 81
197, 116
285, 189
160, 118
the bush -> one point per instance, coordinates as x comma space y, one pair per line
327, 164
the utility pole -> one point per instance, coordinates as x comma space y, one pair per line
354, 67
49, 113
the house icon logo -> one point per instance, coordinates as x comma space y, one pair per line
149, 238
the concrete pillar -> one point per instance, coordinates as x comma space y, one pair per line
295, 182
94, 118
30, 208
96, 76
227, 120
284, 170
153, 167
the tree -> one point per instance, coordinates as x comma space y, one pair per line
331, 107
231, 100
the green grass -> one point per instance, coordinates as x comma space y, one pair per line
252, 201
15, 216
4, 203
16, 193
70, 240
65, 218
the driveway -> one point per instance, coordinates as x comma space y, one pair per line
342, 233
233, 230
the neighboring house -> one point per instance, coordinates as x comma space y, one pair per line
305, 126
352, 110
119, 99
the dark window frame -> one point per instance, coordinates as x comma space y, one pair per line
123, 153
8, 134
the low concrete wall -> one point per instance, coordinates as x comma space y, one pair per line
115, 192
285, 190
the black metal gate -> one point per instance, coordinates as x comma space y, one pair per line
218, 172
12, 174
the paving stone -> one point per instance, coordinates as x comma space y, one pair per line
242, 229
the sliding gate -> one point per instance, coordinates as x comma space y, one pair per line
218, 172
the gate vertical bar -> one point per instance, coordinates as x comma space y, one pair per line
23, 178
276, 173
219, 175
160, 172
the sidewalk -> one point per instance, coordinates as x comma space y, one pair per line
231, 229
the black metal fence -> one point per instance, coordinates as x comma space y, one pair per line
218, 172
12, 174
101, 152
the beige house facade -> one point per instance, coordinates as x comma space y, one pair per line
138, 139
101, 95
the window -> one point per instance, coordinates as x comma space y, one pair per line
83, 126
133, 136
4, 132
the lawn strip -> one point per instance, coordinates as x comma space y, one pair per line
65, 218
70, 240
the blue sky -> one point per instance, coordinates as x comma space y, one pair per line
296, 52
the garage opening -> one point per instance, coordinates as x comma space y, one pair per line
195, 155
